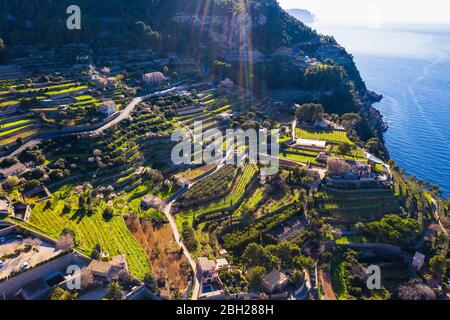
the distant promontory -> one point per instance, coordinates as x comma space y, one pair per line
303, 15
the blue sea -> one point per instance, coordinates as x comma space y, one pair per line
410, 67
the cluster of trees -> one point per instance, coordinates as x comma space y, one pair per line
260, 260
392, 229
215, 185
309, 113
189, 237
355, 278
238, 237
299, 176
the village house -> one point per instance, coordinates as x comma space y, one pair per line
151, 201
108, 108
112, 82
14, 170
21, 211
224, 116
221, 264
207, 269
349, 169
98, 80
274, 281
226, 83
5, 207
154, 78
182, 181
108, 270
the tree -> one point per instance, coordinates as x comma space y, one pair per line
61, 294
189, 237
65, 242
150, 281
344, 148
415, 290
115, 290
256, 255
86, 278
438, 265
373, 145
285, 251
393, 229
303, 262
11, 182
350, 120
255, 276
309, 113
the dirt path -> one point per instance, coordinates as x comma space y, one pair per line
326, 287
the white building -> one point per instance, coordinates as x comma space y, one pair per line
154, 78
108, 108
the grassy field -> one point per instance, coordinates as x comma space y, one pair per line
333, 136
14, 138
14, 123
112, 234
68, 90
4, 133
337, 276
8, 103
298, 157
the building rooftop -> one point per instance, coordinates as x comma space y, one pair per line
4, 205
311, 143
221, 263
206, 264
12, 169
274, 278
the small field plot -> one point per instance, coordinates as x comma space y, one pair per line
333, 136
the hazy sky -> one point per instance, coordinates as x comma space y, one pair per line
384, 11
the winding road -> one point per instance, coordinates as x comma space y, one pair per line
124, 113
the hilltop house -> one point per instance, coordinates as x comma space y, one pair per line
154, 78
107, 108
349, 169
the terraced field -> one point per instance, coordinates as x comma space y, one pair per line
299, 156
14, 138
357, 205
236, 194
333, 136
112, 234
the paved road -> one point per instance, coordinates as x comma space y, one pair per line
123, 115
132, 105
